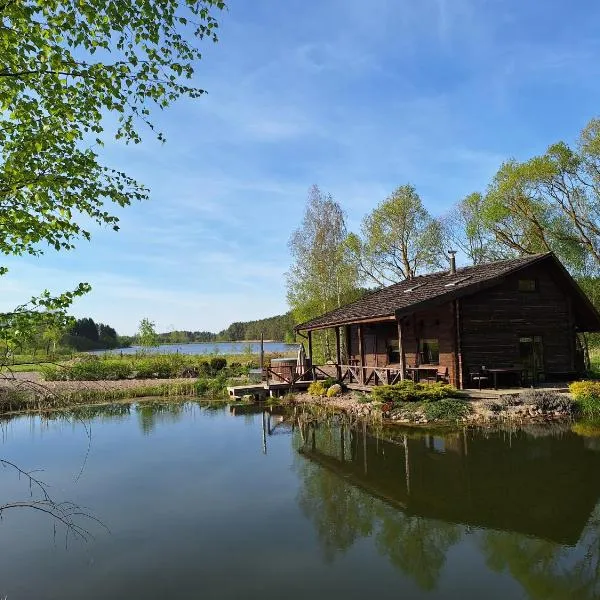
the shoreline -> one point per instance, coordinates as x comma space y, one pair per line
26, 392
480, 414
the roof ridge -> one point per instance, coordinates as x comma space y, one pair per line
384, 301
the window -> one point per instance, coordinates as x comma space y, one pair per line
527, 285
429, 352
393, 351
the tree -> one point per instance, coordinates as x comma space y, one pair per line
107, 336
64, 67
465, 230
399, 240
321, 277
551, 202
147, 335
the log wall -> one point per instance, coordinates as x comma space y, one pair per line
493, 320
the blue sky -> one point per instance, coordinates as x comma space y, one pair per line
355, 96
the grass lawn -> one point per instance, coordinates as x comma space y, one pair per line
24, 368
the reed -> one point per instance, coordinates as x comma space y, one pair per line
17, 401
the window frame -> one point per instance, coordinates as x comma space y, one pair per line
426, 343
527, 280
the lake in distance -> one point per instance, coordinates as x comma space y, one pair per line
204, 503
243, 347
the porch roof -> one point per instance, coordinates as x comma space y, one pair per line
427, 290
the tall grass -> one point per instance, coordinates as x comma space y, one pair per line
12, 401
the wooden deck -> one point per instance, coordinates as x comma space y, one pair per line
260, 391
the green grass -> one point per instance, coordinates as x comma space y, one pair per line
141, 365
25, 367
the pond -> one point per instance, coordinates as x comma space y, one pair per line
207, 348
202, 503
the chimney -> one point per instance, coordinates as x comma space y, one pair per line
452, 254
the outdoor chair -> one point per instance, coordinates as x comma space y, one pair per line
442, 374
478, 376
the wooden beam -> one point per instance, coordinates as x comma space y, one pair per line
387, 318
572, 333
347, 342
401, 349
458, 377
338, 354
310, 354
361, 353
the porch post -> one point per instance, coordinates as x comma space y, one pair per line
458, 358
310, 354
361, 353
401, 349
338, 354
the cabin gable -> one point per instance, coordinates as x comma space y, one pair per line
532, 303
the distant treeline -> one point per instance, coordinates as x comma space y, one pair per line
86, 334
279, 328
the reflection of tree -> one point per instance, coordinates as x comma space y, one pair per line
150, 413
415, 545
547, 570
340, 512
343, 513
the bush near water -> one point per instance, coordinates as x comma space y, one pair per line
407, 391
167, 366
587, 396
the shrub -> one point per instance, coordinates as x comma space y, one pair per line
585, 389
407, 391
217, 363
334, 390
52, 373
547, 400
316, 388
329, 381
204, 367
202, 386
89, 370
587, 396
446, 410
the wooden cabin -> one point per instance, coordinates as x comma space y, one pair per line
510, 322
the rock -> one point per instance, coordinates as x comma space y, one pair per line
334, 390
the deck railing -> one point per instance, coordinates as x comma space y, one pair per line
363, 375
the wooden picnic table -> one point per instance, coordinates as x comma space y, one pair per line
496, 370
415, 372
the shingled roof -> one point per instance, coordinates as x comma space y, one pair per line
411, 294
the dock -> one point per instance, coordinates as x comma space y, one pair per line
260, 391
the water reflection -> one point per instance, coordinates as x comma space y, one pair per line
529, 497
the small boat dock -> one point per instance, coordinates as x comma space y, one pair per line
260, 391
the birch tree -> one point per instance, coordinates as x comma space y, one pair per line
321, 278
399, 239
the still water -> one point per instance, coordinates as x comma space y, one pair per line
206, 348
201, 503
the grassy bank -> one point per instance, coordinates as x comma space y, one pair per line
41, 398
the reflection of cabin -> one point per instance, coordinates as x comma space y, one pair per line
543, 486
516, 317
